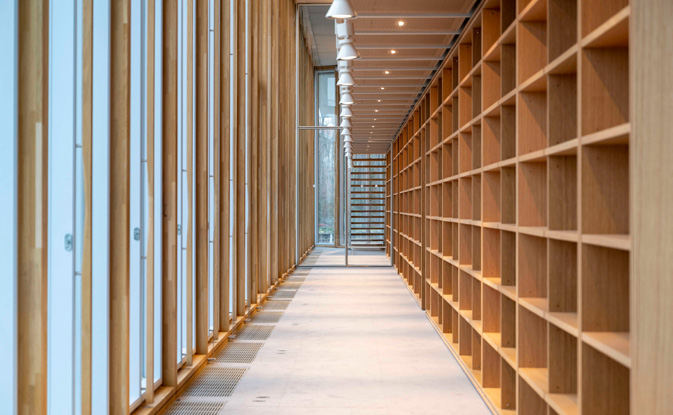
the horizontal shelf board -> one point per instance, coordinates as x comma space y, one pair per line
615, 345
537, 378
563, 404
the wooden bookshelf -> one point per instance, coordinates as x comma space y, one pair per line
511, 205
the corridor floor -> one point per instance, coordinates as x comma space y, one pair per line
351, 341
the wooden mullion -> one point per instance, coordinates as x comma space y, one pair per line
32, 212
201, 170
120, 142
239, 149
224, 165
169, 194
87, 124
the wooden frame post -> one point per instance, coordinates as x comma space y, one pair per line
32, 212
120, 93
201, 147
169, 194
224, 165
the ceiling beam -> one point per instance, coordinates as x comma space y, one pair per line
406, 33
414, 15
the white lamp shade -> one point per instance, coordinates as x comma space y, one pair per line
341, 9
348, 139
346, 112
347, 51
345, 78
345, 123
347, 98
346, 131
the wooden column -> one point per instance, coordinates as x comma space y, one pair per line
120, 92
251, 105
239, 150
169, 222
201, 146
652, 223
32, 228
263, 185
189, 111
149, 294
215, 307
224, 164
273, 146
87, 123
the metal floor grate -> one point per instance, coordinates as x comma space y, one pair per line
284, 294
267, 317
238, 353
272, 305
292, 285
215, 382
254, 332
194, 408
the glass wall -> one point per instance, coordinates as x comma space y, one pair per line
327, 159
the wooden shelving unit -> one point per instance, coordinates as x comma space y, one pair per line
511, 205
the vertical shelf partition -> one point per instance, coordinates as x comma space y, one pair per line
511, 205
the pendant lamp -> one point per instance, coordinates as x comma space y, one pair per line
347, 99
341, 9
347, 51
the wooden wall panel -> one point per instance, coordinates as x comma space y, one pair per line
652, 179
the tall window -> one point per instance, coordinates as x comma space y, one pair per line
326, 159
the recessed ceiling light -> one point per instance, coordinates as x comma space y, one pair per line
387, 72
373, 126
400, 23
382, 88
376, 110
379, 100
393, 51
374, 119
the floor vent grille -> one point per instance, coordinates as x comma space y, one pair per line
267, 317
254, 332
284, 294
292, 285
238, 352
194, 408
215, 381
272, 305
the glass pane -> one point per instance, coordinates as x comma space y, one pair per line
326, 161
327, 253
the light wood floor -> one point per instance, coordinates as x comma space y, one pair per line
351, 341
326, 256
